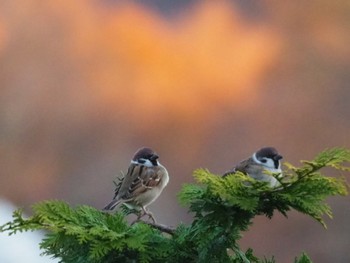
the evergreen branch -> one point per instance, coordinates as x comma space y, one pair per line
163, 228
223, 208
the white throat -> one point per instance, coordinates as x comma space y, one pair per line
147, 163
269, 165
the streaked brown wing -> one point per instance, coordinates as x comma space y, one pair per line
122, 192
155, 177
139, 179
117, 186
242, 167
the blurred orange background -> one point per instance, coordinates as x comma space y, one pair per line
84, 84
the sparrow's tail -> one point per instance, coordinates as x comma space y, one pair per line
112, 205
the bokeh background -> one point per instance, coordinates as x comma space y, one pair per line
84, 84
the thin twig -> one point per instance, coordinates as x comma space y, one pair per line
166, 229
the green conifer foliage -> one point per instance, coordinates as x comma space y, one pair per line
223, 207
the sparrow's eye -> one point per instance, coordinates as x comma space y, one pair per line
141, 160
264, 160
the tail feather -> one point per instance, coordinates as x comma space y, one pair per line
111, 205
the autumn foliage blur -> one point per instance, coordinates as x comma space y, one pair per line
84, 84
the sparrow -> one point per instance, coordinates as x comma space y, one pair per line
142, 184
260, 166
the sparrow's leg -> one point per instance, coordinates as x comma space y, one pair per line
142, 213
139, 214
150, 216
146, 212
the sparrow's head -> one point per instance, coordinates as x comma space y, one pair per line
145, 156
268, 157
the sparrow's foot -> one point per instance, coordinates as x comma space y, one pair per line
142, 213
150, 215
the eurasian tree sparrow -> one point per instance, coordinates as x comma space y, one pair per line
143, 183
260, 166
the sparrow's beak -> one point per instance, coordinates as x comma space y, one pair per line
278, 157
154, 157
